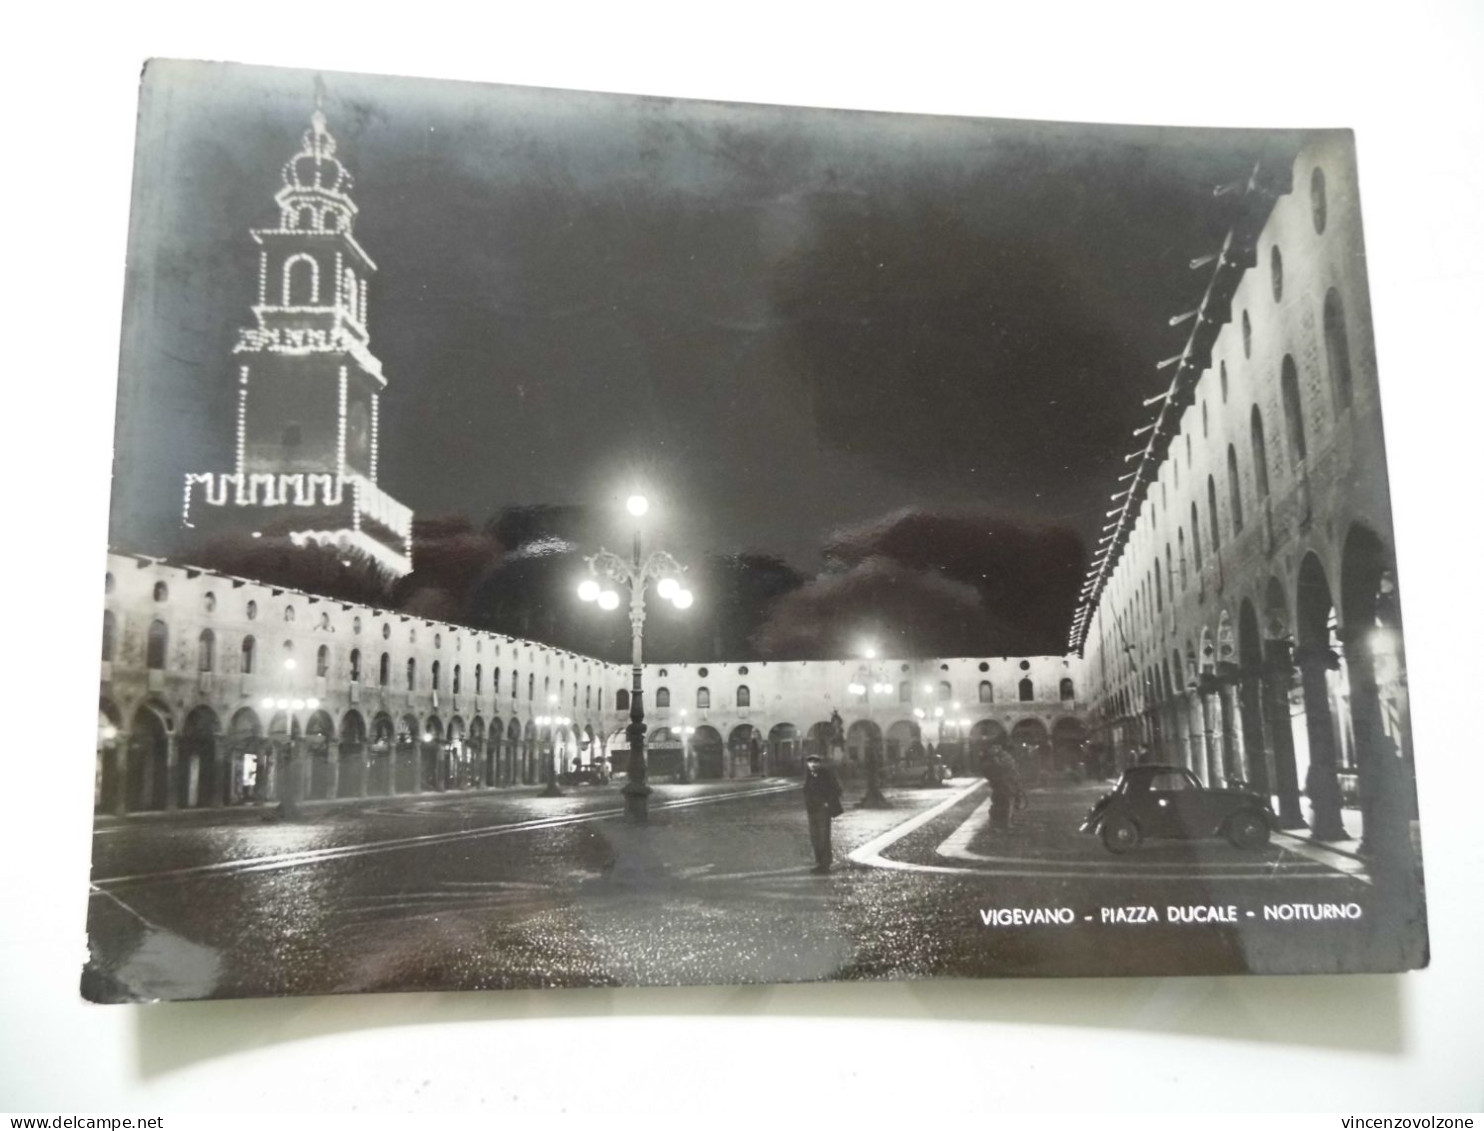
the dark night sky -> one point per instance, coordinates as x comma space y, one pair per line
786, 325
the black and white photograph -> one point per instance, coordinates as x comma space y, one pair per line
566, 539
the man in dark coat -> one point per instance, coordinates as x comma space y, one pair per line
822, 803
1005, 790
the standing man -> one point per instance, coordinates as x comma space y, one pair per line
822, 803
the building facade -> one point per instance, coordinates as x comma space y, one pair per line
1242, 617
218, 690
308, 386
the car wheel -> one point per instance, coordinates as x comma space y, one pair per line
1247, 830
1119, 834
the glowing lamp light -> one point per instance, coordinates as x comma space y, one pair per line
589, 590
684, 599
857, 689
297, 704
290, 664
668, 587
869, 653
919, 712
282, 704
267, 703
312, 704
608, 599
638, 505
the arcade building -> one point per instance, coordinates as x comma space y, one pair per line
220, 690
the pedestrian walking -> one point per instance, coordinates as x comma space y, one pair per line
1005, 791
822, 803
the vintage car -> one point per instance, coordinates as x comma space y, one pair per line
1170, 801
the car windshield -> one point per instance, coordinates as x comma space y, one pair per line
1171, 782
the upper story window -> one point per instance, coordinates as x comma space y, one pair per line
322, 661
412, 675
1215, 515
1246, 335
162, 591
384, 670
945, 690
355, 665
478, 679
744, 696
1293, 411
1276, 263
154, 652
1067, 690
208, 602
1259, 454
703, 698
662, 697
437, 672
206, 651
1318, 199
110, 637
1337, 348
904, 691
249, 655
288, 614
621, 700
458, 674
1223, 381
1235, 481
1027, 690
986, 691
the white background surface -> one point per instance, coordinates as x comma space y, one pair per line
1407, 79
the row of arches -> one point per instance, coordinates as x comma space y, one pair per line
148, 762
1302, 695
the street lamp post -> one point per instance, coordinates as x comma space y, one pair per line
288, 789
549, 724
636, 573
868, 685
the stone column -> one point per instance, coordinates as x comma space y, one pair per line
172, 770
1231, 734
1277, 675
1195, 722
1257, 754
332, 764
1384, 802
1211, 728
1315, 662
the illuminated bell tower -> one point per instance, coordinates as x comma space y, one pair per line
309, 387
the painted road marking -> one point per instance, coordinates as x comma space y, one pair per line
281, 860
870, 855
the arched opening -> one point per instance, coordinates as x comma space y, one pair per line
986, 691
783, 749
1066, 689
745, 748
703, 698
206, 651
352, 780
1026, 690
300, 281
1321, 744
381, 762
862, 740
744, 696
321, 767
1379, 710
709, 753
662, 698
1030, 746
1069, 748
247, 757
147, 764
621, 700
200, 780
406, 772
904, 743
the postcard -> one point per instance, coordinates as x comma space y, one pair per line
564, 539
